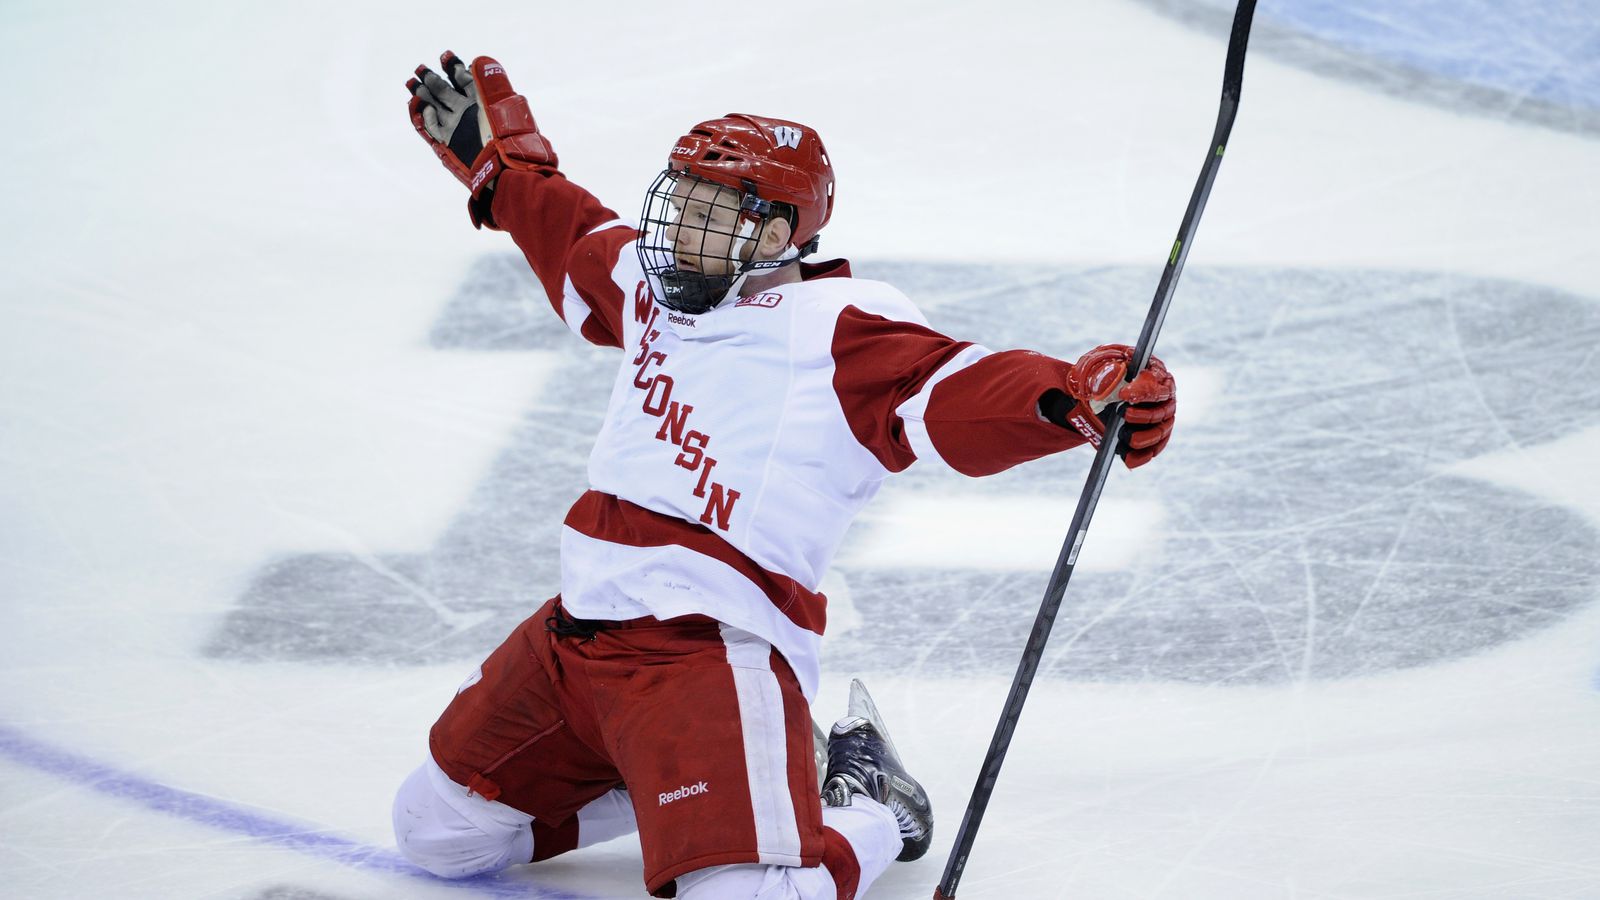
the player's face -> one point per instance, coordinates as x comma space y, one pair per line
705, 221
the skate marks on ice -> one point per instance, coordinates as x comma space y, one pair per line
498, 554
1311, 528
1533, 62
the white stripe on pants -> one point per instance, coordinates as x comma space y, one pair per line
766, 752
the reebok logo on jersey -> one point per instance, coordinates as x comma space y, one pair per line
688, 790
676, 319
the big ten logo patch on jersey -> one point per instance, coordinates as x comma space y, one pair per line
765, 301
692, 443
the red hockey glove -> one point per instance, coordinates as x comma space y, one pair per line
1096, 381
477, 126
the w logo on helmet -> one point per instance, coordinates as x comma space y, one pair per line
786, 136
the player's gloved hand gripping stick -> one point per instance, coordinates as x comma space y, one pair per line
1112, 421
1100, 379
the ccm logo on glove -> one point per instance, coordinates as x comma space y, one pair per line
482, 173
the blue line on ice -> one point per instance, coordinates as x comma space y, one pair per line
1541, 48
224, 816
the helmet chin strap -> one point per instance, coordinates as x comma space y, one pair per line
748, 233
790, 255
747, 230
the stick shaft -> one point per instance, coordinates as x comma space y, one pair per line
1105, 456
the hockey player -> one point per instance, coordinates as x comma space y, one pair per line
759, 403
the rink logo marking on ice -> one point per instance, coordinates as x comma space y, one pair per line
200, 809
688, 790
1312, 533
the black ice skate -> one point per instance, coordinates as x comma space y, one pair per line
862, 760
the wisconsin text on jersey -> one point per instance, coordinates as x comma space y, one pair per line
657, 389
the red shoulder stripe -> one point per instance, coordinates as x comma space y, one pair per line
985, 418
551, 220
880, 363
590, 268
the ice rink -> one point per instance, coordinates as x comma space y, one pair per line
285, 443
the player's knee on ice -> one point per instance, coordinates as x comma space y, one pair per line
453, 834
757, 882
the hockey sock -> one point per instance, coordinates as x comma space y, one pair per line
860, 841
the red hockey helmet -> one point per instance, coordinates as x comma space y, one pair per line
775, 159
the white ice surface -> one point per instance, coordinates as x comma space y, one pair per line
224, 248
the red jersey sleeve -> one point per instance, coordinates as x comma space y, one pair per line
573, 243
909, 392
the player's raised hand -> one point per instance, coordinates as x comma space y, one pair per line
444, 111
1098, 380
477, 125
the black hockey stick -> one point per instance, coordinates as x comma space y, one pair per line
1233, 75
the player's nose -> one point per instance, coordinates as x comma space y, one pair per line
687, 238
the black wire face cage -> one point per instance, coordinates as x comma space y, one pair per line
698, 239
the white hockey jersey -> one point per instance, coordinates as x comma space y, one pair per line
739, 444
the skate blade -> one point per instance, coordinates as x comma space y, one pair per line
861, 706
